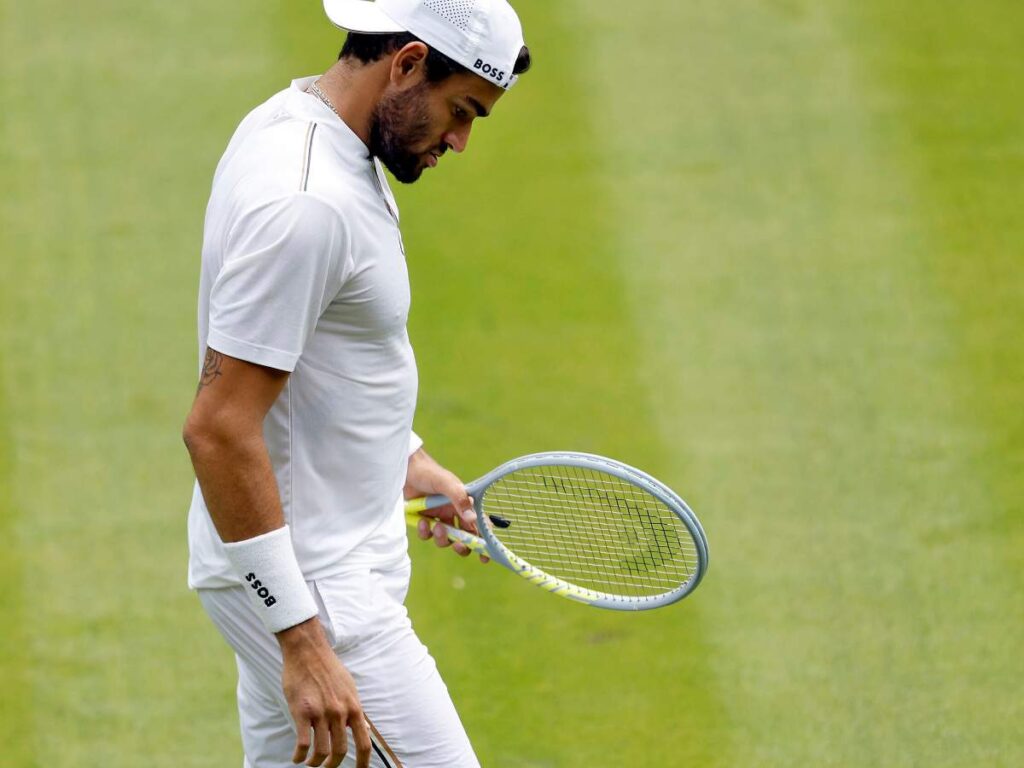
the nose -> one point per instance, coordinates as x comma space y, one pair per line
457, 139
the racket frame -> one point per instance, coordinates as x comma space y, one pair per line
489, 544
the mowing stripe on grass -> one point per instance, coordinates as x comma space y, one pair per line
17, 656
16, 700
808, 369
109, 165
949, 85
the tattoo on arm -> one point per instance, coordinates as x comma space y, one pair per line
211, 368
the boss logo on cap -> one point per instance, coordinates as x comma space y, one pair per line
492, 72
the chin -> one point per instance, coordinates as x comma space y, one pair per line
404, 174
411, 178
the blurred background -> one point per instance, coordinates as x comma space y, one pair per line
770, 251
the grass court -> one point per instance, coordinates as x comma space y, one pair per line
769, 251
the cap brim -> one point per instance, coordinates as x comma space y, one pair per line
360, 16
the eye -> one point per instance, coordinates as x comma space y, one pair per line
459, 112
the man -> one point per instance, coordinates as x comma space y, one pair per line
300, 433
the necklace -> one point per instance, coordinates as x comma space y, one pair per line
316, 91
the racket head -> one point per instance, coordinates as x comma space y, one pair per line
592, 529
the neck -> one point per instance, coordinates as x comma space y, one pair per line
354, 89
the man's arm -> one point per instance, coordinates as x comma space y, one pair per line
224, 436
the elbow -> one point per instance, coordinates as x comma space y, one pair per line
188, 437
208, 433
192, 435
202, 435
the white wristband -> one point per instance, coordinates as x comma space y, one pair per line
415, 443
273, 579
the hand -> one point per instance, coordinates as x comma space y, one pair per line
426, 477
322, 697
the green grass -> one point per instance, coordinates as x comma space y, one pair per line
770, 250
809, 358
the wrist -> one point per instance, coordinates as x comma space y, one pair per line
272, 579
295, 639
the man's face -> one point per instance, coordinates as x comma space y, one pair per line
412, 127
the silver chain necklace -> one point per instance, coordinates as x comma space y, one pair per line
316, 91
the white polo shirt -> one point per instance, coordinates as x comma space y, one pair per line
303, 270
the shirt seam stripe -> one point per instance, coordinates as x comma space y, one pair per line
307, 155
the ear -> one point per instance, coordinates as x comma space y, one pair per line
408, 67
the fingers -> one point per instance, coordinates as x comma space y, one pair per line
466, 511
321, 695
441, 536
462, 515
461, 506
301, 741
361, 734
468, 519
330, 741
442, 518
321, 743
428, 529
441, 539
339, 743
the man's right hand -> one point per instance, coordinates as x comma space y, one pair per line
322, 698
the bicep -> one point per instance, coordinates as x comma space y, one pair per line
234, 395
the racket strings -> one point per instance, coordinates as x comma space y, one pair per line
555, 539
593, 529
540, 513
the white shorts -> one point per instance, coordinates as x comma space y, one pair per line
363, 615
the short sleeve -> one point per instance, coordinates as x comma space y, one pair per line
284, 262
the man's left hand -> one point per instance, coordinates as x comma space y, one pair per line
426, 477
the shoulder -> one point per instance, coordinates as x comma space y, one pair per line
292, 157
274, 141
298, 216
278, 150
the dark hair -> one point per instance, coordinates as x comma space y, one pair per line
368, 48
523, 61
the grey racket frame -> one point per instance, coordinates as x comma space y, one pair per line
506, 557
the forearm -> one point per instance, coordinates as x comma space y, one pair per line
237, 481
238, 485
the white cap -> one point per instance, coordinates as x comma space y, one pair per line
484, 36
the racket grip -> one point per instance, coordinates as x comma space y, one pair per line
424, 503
475, 543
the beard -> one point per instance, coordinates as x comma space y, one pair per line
399, 123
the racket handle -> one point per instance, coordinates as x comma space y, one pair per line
423, 503
475, 543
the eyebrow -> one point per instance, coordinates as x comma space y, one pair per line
481, 110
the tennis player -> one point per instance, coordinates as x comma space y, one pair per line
301, 430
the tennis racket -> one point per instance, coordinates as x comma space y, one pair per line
584, 527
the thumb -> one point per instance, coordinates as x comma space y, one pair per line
461, 502
467, 515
